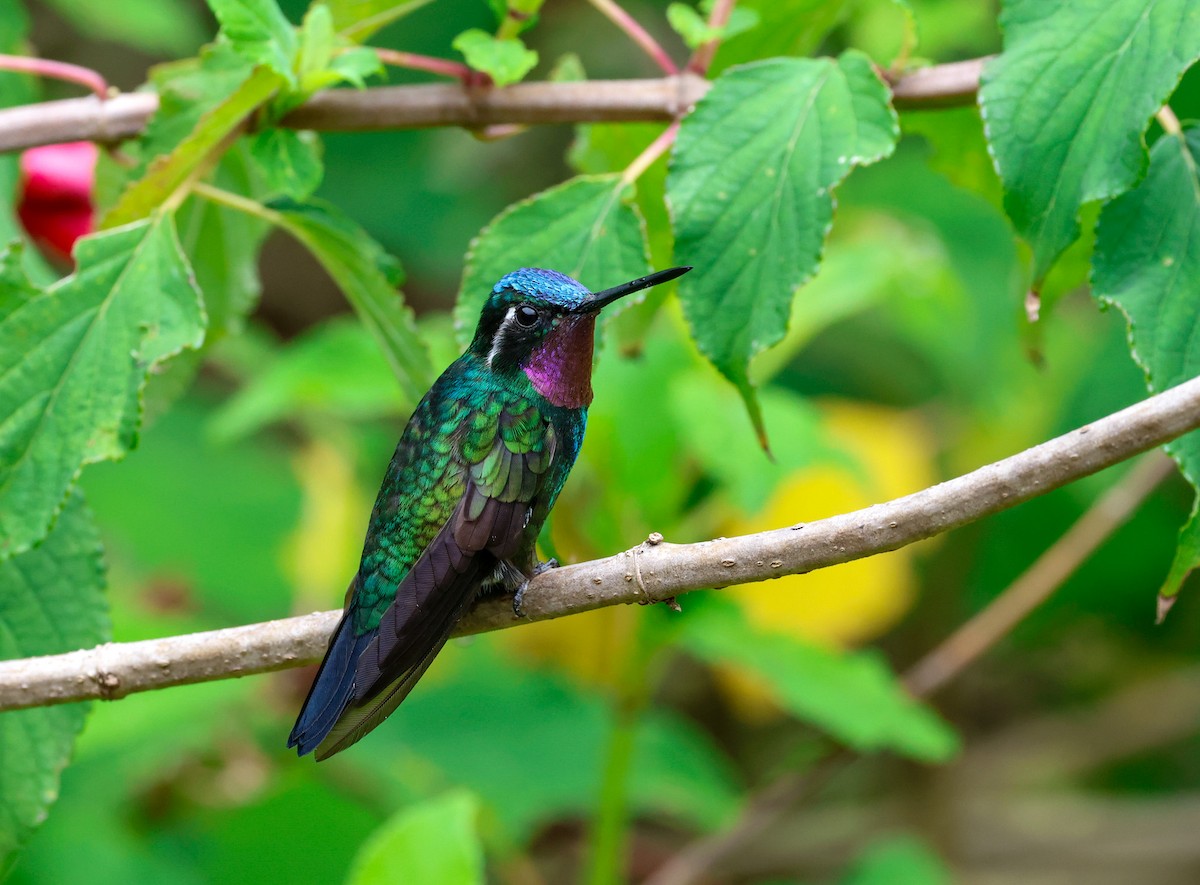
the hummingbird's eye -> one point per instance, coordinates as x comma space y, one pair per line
526, 316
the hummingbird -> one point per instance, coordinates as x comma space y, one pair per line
476, 472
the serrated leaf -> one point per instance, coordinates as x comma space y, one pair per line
582, 228
504, 60
288, 162
260, 32
436, 842
165, 175
1147, 263
852, 695
368, 277
750, 190
354, 66
1066, 104
316, 41
73, 362
359, 19
187, 91
52, 602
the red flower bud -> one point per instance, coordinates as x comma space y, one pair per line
55, 205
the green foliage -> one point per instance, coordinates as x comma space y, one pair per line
1068, 102
852, 696
359, 19
149, 25
882, 346
505, 60
73, 362
750, 190
164, 178
368, 276
897, 861
695, 30
259, 32
1148, 264
583, 227
435, 842
52, 602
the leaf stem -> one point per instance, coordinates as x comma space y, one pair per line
236, 201
1168, 121
702, 58
431, 64
653, 151
56, 70
637, 34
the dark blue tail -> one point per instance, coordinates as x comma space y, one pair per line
333, 688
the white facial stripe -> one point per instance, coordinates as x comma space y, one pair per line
498, 341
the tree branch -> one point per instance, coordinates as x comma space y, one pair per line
651, 572
413, 107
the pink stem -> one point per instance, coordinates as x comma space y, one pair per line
56, 70
653, 151
637, 34
442, 66
703, 56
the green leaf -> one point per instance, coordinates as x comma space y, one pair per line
166, 175
750, 189
900, 860
1147, 263
1068, 101
15, 287
354, 66
187, 91
288, 161
852, 695
316, 42
582, 228
52, 602
222, 245
359, 19
786, 27
73, 362
505, 61
154, 26
260, 32
368, 277
334, 368
694, 28
436, 842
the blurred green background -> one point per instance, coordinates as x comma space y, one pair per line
909, 362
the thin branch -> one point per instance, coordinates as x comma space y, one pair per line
936, 669
430, 64
56, 70
651, 572
940, 86
979, 634
702, 58
637, 34
414, 107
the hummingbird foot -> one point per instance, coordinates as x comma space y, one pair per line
520, 594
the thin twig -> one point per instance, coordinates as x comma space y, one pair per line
426, 105
702, 58
939, 667
653, 151
667, 570
979, 634
637, 34
430, 64
56, 70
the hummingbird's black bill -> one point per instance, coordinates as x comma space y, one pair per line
608, 296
